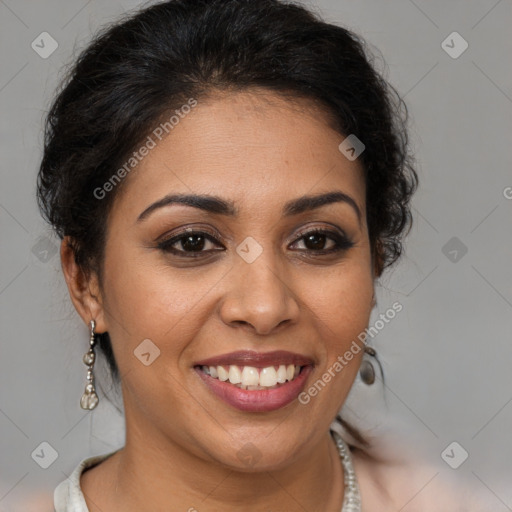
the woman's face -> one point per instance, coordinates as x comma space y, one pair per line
255, 282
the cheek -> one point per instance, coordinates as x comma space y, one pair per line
152, 301
341, 305
341, 308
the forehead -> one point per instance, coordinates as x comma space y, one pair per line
257, 149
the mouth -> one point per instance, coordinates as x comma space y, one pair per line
251, 378
256, 382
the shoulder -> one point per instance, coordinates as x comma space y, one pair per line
68, 496
412, 487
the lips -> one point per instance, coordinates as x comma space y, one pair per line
257, 359
226, 375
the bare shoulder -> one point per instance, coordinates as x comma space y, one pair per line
410, 487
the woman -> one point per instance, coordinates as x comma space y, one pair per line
229, 179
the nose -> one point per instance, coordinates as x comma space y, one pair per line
259, 297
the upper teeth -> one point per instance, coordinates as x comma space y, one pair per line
250, 377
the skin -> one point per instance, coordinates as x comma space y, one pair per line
258, 150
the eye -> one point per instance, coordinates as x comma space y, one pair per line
192, 243
315, 241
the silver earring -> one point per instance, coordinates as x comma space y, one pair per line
367, 371
90, 399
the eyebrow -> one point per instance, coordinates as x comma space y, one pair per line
219, 206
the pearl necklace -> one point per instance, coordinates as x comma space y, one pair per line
352, 497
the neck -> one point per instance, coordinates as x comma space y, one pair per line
150, 473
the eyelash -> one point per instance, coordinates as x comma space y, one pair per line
342, 243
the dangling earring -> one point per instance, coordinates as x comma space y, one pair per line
90, 399
367, 371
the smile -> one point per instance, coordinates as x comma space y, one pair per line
255, 382
251, 378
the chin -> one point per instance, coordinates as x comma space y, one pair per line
256, 449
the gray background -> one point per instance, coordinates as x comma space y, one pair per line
446, 356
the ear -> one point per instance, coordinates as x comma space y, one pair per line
83, 288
